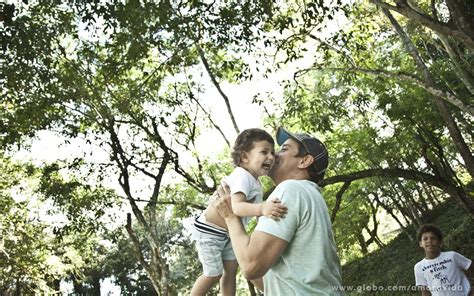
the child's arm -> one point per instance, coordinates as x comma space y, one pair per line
272, 209
425, 291
469, 272
420, 281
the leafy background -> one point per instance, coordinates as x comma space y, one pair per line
141, 98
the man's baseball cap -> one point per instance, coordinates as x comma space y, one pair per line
313, 146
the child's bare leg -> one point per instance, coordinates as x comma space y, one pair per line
203, 284
228, 278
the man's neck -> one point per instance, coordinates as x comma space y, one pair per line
296, 175
277, 182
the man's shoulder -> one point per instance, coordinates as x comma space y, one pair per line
299, 187
298, 184
442, 255
289, 183
298, 190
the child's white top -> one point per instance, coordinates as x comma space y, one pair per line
240, 180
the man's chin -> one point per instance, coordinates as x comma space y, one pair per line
272, 174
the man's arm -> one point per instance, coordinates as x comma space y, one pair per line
255, 253
425, 291
469, 272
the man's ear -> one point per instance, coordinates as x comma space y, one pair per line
306, 161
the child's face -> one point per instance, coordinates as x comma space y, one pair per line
259, 160
430, 242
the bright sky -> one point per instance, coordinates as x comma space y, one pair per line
49, 147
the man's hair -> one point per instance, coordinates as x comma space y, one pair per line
429, 228
246, 140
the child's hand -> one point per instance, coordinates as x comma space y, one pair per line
274, 209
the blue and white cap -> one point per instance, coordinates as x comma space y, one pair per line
313, 146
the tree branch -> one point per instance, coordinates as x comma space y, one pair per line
338, 50
136, 242
448, 97
139, 255
207, 113
390, 173
427, 21
216, 84
339, 200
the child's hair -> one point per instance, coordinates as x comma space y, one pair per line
245, 141
429, 228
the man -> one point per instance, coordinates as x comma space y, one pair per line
297, 254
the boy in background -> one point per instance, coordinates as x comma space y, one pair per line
441, 273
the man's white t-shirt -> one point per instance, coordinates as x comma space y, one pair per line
240, 180
309, 265
444, 275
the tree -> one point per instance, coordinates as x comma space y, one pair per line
130, 79
23, 245
121, 75
346, 93
393, 121
36, 254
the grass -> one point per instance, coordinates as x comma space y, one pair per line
391, 267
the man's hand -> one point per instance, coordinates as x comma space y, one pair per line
223, 203
274, 209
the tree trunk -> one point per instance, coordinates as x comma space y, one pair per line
17, 288
461, 71
432, 196
157, 270
425, 20
422, 199
453, 129
390, 212
96, 285
462, 15
363, 246
399, 206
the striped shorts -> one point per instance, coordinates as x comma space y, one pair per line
213, 246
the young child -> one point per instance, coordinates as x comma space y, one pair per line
440, 273
253, 156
